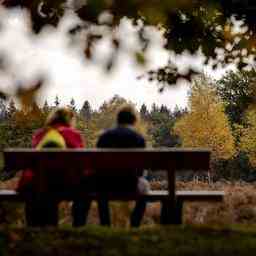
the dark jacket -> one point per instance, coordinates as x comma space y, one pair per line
120, 137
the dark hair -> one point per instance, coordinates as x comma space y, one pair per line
126, 116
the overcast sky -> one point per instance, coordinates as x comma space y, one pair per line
69, 75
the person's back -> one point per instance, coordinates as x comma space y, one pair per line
57, 133
120, 137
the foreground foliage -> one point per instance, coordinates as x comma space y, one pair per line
156, 241
187, 27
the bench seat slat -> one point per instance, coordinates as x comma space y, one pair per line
152, 196
185, 195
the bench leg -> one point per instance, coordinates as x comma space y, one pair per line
178, 211
138, 212
104, 212
171, 214
3, 214
80, 210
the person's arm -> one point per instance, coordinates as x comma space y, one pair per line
27, 175
37, 137
141, 142
99, 143
144, 144
102, 142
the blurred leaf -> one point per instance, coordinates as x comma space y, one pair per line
27, 95
91, 10
187, 25
91, 40
3, 95
168, 75
140, 58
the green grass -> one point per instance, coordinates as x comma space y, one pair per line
95, 240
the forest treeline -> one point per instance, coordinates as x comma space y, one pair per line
221, 115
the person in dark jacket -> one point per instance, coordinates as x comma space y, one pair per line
122, 136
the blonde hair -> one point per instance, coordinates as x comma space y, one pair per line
61, 116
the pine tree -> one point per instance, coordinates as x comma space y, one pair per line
72, 105
144, 113
177, 113
11, 109
164, 110
154, 108
57, 101
3, 110
46, 108
86, 111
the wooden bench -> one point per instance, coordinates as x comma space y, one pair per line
69, 165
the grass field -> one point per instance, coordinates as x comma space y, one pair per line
95, 240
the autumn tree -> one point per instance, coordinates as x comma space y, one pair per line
17, 130
248, 136
206, 124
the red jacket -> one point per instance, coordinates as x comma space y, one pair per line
72, 138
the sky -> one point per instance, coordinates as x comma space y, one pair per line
69, 75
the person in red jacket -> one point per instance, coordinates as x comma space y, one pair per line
59, 132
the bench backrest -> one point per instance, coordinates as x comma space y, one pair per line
71, 163
174, 158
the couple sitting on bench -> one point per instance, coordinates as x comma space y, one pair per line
59, 132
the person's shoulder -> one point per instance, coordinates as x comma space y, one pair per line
107, 132
104, 138
69, 132
131, 133
139, 137
72, 136
67, 129
39, 133
37, 136
135, 133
